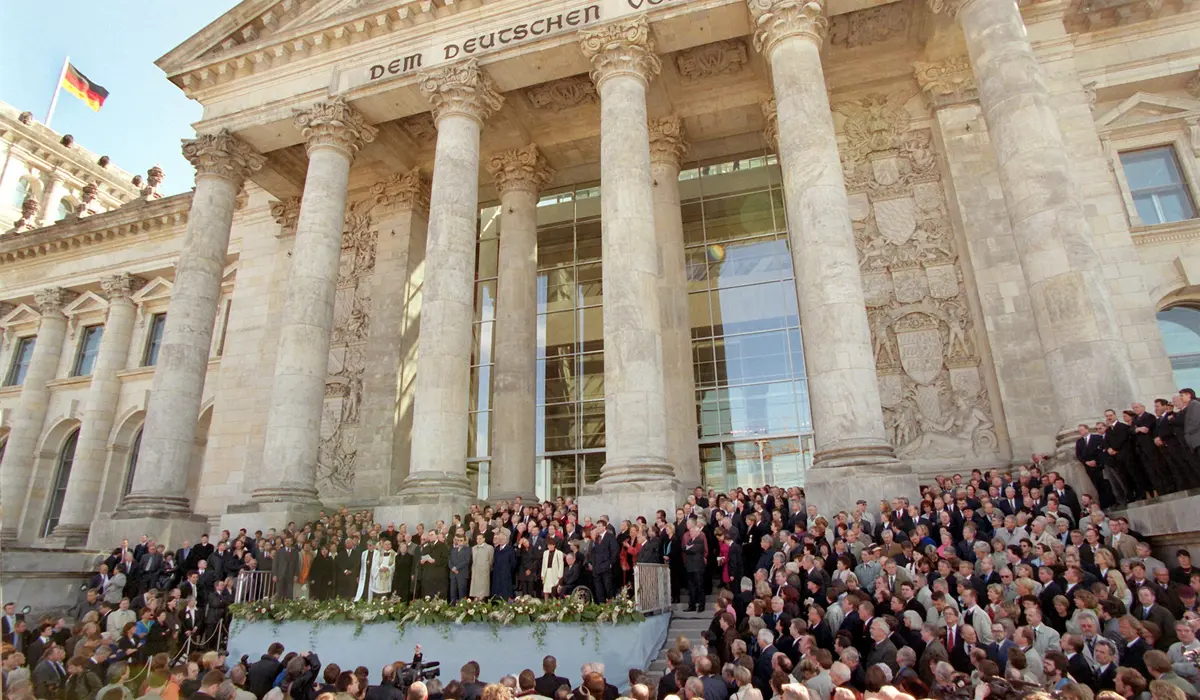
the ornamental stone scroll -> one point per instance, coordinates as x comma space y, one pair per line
621, 48
462, 88
222, 154
520, 169
335, 124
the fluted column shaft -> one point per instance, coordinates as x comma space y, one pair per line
21, 450
519, 174
667, 147
91, 452
1072, 306
623, 62
462, 96
846, 410
222, 163
335, 132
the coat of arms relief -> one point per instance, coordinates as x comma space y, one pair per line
934, 400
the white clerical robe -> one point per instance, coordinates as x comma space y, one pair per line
375, 575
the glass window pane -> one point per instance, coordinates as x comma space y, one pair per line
789, 461
762, 409
693, 222
591, 425
66, 459
556, 334
477, 435
1175, 205
22, 356
749, 262
590, 281
704, 363
696, 268
754, 308
591, 329
134, 453
591, 376
699, 314
759, 357
556, 290
481, 351
588, 240
489, 222
485, 301
555, 247
1146, 209
712, 470
89, 349
1151, 167
1180, 328
562, 476
737, 216
487, 257
154, 340
710, 421
560, 379
481, 388
593, 462
735, 176
560, 427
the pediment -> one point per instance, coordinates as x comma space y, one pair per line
85, 303
157, 288
249, 22
1144, 107
24, 313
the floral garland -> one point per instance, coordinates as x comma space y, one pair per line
522, 611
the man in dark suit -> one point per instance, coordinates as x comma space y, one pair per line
284, 569
695, 559
39, 645
1089, 451
50, 674
386, 690
955, 645
183, 554
346, 567
603, 558
1120, 441
1012, 501
9, 621
1078, 665
1147, 609
1145, 429
144, 545
548, 682
883, 650
149, 567
935, 651
260, 677
200, 552
761, 677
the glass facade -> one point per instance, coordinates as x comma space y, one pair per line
751, 398
1180, 328
154, 340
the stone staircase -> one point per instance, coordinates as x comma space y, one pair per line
683, 623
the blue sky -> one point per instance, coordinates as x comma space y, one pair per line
114, 43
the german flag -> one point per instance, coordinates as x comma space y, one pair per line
78, 85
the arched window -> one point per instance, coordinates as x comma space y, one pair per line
1180, 328
133, 460
65, 207
66, 458
24, 189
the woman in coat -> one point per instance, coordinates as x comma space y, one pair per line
552, 568
481, 567
402, 579
321, 576
504, 567
530, 568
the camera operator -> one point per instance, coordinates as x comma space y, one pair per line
388, 688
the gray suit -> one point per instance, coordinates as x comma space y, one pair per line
285, 566
1191, 424
460, 558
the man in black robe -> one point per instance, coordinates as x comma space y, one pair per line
434, 566
1145, 429
347, 565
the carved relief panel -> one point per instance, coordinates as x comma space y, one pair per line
935, 402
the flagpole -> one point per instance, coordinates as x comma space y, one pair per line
57, 88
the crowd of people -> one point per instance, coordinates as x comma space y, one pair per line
992, 583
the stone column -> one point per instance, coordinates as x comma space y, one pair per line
400, 212
334, 132
21, 450
91, 452
53, 193
851, 448
667, 148
159, 494
462, 97
519, 174
1071, 301
637, 476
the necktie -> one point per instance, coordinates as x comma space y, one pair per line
950, 636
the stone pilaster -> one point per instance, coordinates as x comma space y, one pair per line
637, 475
401, 214
667, 149
26, 434
91, 452
334, 132
159, 494
53, 193
1071, 301
462, 97
519, 175
851, 447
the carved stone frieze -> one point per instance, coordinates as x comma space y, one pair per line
566, 93
873, 25
520, 169
222, 155
718, 58
621, 48
461, 88
420, 128
287, 214
947, 82
334, 123
875, 123
402, 192
776, 20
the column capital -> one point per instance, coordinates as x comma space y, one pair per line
776, 20
621, 48
947, 82
520, 169
771, 124
402, 192
120, 287
949, 7
462, 88
51, 300
667, 144
335, 124
223, 155
287, 214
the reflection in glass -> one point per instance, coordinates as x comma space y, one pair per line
1180, 328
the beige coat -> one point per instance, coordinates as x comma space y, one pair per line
481, 570
552, 569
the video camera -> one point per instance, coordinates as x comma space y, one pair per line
418, 670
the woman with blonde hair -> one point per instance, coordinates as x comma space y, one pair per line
1117, 589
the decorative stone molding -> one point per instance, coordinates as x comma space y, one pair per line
718, 58
154, 178
286, 213
667, 144
947, 82
122, 286
558, 95
222, 155
873, 25
25, 118
29, 210
420, 128
878, 122
51, 300
87, 196
1193, 86
402, 192
462, 88
771, 121
776, 20
334, 124
949, 7
621, 48
520, 169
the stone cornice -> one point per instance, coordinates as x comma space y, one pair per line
462, 89
1162, 234
67, 235
335, 124
520, 169
621, 48
668, 143
776, 20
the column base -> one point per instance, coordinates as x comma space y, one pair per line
1063, 461
280, 493
71, 535
8, 536
426, 508
834, 489
266, 515
527, 497
862, 454
169, 529
620, 498
153, 505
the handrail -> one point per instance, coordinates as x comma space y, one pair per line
254, 585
